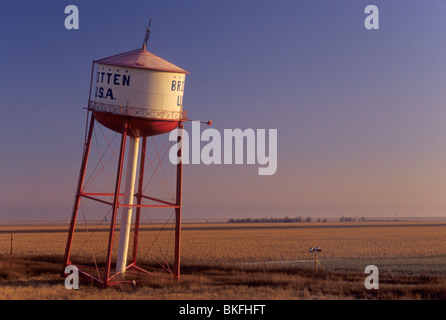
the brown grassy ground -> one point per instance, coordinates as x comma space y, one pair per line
227, 261
38, 277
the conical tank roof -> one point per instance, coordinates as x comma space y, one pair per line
141, 58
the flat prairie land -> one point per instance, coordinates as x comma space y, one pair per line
240, 261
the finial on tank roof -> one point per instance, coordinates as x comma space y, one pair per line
147, 37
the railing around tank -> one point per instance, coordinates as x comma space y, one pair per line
137, 112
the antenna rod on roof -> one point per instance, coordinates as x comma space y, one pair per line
147, 37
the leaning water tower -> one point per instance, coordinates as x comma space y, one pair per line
137, 95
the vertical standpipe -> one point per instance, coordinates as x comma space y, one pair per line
129, 192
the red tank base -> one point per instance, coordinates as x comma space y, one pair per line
139, 127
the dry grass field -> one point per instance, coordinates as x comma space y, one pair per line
240, 261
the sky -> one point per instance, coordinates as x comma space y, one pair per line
359, 113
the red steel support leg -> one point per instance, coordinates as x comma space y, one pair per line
179, 194
78, 193
139, 199
115, 204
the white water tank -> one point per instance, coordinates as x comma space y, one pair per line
141, 86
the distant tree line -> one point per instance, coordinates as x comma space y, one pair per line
274, 220
350, 219
288, 219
